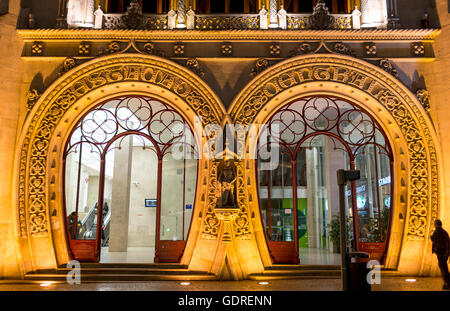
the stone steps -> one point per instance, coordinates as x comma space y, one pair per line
95, 272
122, 273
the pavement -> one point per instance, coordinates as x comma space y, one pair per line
386, 284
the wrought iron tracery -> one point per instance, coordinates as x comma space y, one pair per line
154, 126
163, 126
292, 129
295, 123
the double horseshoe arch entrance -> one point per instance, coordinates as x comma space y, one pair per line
39, 166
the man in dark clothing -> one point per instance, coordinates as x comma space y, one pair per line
441, 247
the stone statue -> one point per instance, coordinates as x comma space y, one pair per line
80, 13
98, 22
227, 177
282, 18
133, 18
171, 19
356, 18
263, 18
321, 18
190, 20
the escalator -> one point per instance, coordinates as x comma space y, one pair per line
105, 229
88, 225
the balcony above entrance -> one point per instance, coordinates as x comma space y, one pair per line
204, 15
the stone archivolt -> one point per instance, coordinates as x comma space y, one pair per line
49, 111
423, 171
33, 164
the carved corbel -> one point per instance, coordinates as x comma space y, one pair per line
424, 97
194, 65
259, 66
32, 97
387, 66
68, 64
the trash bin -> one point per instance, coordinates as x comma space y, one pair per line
358, 272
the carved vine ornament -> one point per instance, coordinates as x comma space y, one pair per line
33, 175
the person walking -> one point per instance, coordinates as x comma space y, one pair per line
441, 247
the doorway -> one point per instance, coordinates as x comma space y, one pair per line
129, 156
309, 140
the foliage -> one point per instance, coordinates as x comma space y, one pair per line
335, 230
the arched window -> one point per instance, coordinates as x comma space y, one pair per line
299, 151
130, 181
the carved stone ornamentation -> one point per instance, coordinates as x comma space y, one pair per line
321, 18
417, 49
424, 97
84, 49
194, 65
33, 194
370, 48
260, 65
387, 66
227, 49
275, 49
133, 18
37, 48
113, 47
32, 97
178, 49
68, 64
302, 49
423, 191
341, 48
227, 184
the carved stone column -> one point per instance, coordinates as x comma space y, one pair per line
273, 18
181, 16
374, 14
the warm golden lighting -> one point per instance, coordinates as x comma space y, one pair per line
264, 283
46, 283
410, 280
185, 283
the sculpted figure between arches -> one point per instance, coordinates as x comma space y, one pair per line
38, 190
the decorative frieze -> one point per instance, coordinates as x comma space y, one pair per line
178, 49
112, 48
417, 49
370, 49
37, 48
227, 49
84, 48
274, 49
